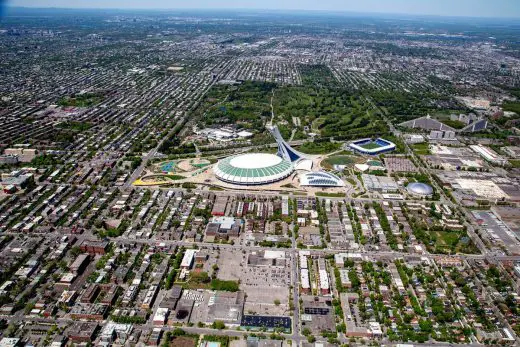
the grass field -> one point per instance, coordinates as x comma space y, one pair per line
453, 242
331, 195
421, 148
82, 100
515, 162
319, 147
347, 160
457, 124
370, 145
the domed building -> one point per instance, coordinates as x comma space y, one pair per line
253, 169
321, 179
419, 189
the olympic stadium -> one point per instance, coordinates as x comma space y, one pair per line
253, 169
259, 168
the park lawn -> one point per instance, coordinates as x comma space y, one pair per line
339, 160
451, 242
319, 147
515, 162
175, 177
84, 100
316, 124
456, 124
511, 106
331, 195
421, 148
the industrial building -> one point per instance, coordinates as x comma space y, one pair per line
379, 183
489, 155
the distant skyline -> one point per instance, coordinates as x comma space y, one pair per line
466, 8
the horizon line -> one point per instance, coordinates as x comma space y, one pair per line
323, 11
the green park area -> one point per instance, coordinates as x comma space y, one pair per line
246, 105
515, 163
452, 242
319, 105
326, 108
456, 124
421, 148
319, 147
347, 160
81, 100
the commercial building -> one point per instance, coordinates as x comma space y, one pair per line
489, 155
226, 307
24, 155
18, 179
94, 246
187, 259
97, 312
160, 316
223, 228
512, 151
8, 159
10, 342
80, 263
219, 206
304, 281
379, 183
112, 331
82, 332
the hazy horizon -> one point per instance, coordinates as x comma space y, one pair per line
449, 8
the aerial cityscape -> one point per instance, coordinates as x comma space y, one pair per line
258, 178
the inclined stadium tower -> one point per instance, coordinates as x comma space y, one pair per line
285, 150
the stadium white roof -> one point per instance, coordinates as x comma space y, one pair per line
253, 168
321, 179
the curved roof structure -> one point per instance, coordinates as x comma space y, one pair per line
418, 188
321, 179
253, 168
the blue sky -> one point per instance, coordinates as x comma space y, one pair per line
471, 8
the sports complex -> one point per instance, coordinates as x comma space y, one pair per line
253, 169
371, 147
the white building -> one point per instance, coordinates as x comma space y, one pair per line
489, 155
160, 316
304, 280
187, 259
